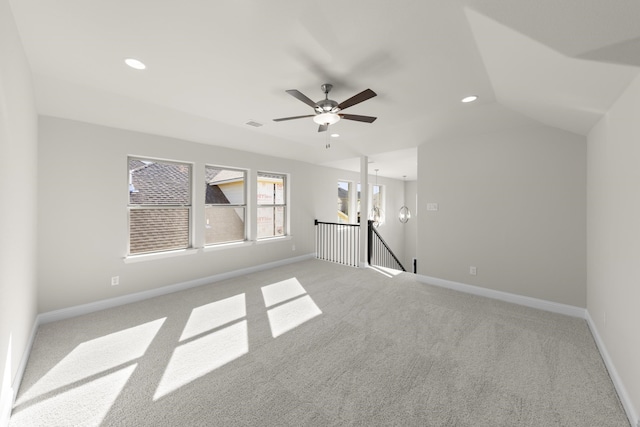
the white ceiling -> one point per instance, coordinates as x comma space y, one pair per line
214, 65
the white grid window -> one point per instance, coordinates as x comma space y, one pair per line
159, 206
272, 205
225, 205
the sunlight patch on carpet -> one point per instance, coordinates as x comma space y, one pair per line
387, 272
83, 405
297, 307
93, 357
201, 356
286, 317
282, 291
210, 316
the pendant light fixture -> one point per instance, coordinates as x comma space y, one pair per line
405, 214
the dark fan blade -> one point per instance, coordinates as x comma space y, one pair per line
302, 97
323, 128
356, 99
357, 118
291, 118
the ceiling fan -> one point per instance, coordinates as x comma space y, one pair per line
327, 111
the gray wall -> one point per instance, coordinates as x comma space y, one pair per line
613, 229
83, 216
513, 205
18, 188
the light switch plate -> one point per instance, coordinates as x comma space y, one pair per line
432, 206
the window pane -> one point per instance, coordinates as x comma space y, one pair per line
224, 186
271, 221
343, 202
376, 196
279, 221
152, 230
224, 224
279, 191
358, 202
158, 183
271, 189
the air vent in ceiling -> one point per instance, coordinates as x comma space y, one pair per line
254, 124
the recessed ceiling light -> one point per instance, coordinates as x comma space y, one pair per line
470, 98
335, 135
134, 63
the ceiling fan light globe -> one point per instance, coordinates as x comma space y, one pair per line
326, 118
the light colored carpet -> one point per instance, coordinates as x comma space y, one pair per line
317, 344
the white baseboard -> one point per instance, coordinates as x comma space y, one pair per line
540, 304
632, 414
67, 313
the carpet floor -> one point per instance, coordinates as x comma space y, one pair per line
317, 344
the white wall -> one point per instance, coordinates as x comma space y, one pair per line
82, 219
512, 204
18, 188
613, 229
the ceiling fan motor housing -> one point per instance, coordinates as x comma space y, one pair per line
327, 106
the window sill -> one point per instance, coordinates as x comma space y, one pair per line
274, 239
222, 246
159, 255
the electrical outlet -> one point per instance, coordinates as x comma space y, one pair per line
473, 270
115, 280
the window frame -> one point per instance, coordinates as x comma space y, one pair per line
245, 173
285, 205
132, 206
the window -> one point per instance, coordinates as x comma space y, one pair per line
376, 200
343, 201
377, 205
159, 206
225, 205
272, 205
358, 202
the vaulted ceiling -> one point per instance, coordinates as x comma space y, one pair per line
213, 66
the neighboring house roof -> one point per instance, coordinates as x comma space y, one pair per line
159, 183
215, 196
210, 173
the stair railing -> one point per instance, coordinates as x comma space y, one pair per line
380, 253
338, 242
